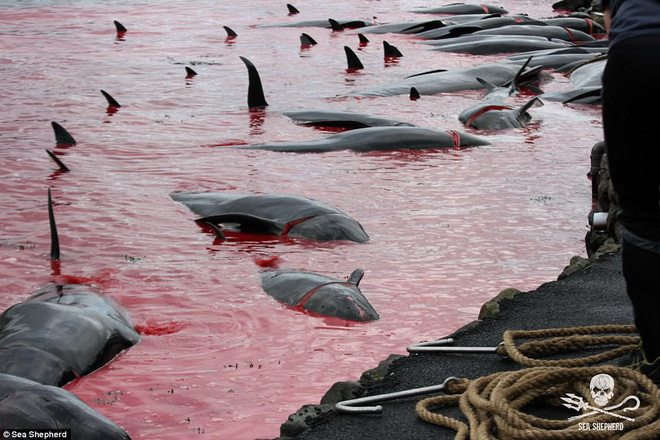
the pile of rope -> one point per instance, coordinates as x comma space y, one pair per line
493, 405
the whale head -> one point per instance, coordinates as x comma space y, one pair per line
343, 300
330, 227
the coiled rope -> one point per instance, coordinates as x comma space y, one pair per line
493, 404
567, 340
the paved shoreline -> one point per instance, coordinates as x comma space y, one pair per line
593, 295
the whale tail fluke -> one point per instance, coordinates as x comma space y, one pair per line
256, 96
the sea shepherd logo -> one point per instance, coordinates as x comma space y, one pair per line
602, 391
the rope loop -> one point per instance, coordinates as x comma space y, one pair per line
493, 405
569, 339
457, 386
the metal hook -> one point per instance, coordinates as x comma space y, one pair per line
444, 346
352, 406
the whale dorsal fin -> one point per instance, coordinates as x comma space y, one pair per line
54, 239
112, 102
57, 161
190, 72
334, 24
363, 39
256, 96
120, 27
352, 59
306, 40
391, 51
61, 135
230, 32
356, 276
292, 9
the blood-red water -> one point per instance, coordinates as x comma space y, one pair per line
218, 357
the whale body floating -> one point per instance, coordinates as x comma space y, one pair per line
274, 214
320, 294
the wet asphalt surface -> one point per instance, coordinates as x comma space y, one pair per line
593, 296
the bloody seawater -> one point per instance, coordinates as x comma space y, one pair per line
218, 357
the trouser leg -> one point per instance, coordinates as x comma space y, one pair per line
631, 115
641, 269
631, 98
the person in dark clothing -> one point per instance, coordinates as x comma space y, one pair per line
631, 95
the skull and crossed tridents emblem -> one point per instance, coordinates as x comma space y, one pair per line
602, 391
602, 388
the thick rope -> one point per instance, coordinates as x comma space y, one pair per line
566, 340
589, 61
493, 404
